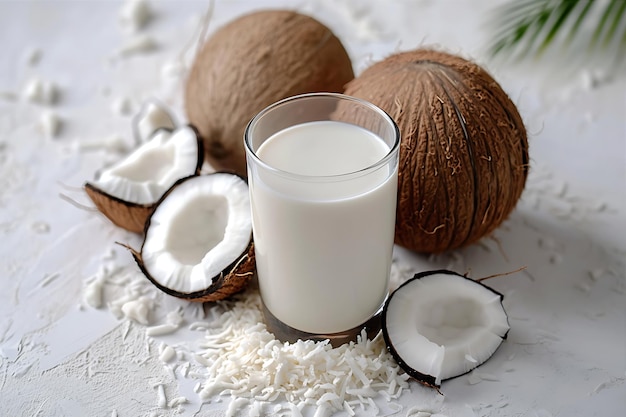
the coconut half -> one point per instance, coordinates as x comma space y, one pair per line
127, 192
198, 240
439, 325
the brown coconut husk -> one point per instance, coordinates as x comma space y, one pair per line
252, 62
127, 215
463, 153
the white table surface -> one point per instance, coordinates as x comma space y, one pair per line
566, 351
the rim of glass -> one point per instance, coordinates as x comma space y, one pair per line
335, 177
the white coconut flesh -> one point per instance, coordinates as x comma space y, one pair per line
153, 116
151, 169
200, 228
440, 325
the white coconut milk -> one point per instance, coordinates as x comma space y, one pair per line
323, 244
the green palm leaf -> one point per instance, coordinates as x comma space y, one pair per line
527, 28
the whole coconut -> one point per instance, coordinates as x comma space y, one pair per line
252, 62
463, 152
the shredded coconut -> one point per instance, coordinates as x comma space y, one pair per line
175, 402
138, 45
237, 359
50, 124
167, 354
162, 399
161, 329
137, 310
122, 106
114, 143
418, 412
41, 92
134, 15
93, 294
243, 360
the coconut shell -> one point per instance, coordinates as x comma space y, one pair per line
127, 214
463, 152
252, 62
231, 281
124, 214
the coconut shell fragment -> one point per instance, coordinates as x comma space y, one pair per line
252, 62
127, 215
231, 281
440, 324
127, 192
464, 150
198, 239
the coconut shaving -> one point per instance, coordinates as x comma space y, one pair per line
237, 359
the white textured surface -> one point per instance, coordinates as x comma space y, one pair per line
566, 351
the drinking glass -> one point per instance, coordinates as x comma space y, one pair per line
322, 174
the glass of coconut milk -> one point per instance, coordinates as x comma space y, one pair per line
322, 172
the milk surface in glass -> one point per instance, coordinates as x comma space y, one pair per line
323, 247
